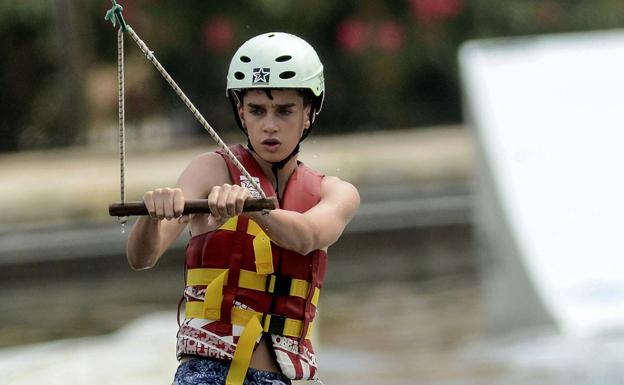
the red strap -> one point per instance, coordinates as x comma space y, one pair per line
181, 298
236, 256
308, 312
250, 164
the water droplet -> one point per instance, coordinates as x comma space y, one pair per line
122, 221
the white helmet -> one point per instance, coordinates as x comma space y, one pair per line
276, 60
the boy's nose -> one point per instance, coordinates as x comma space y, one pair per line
270, 125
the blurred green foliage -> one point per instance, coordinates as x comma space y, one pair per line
389, 64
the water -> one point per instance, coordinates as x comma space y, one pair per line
399, 307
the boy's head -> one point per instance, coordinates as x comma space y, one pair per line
276, 60
275, 121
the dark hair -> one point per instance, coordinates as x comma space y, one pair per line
306, 94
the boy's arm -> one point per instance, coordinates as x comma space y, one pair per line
318, 227
152, 235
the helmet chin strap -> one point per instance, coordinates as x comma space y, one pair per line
276, 166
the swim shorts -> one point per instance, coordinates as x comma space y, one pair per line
200, 371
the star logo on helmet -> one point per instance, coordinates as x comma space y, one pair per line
261, 75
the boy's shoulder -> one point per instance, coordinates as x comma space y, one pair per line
208, 159
205, 170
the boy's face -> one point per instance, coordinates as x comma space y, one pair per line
274, 126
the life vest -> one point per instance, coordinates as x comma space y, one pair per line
240, 284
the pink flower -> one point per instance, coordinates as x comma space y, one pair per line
429, 12
390, 36
219, 34
353, 35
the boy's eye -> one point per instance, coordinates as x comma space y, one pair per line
285, 112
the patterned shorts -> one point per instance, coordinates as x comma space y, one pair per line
199, 371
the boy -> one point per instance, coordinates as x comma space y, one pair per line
253, 279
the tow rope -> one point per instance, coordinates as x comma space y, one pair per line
123, 209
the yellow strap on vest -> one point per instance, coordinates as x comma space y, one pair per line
197, 277
204, 276
315, 296
271, 287
292, 327
243, 352
213, 297
241, 317
230, 225
262, 248
261, 244
250, 280
299, 288
263, 254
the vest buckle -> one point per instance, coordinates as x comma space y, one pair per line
281, 285
276, 324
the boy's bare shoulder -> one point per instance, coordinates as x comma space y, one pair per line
334, 181
208, 159
208, 162
332, 185
203, 172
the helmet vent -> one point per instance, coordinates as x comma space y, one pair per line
287, 75
245, 59
239, 75
271, 35
283, 58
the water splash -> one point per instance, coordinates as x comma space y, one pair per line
122, 221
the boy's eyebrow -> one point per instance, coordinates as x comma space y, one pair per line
286, 105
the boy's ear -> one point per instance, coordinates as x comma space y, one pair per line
241, 115
306, 114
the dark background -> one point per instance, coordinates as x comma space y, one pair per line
389, 64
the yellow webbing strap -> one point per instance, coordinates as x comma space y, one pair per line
241, 317
262, 248
250, 280
292, 327
243, 352
230, 225
299, 288
211, 308
315, 296
271, 287
261, 244
202, 276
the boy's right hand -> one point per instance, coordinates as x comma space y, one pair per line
164, 203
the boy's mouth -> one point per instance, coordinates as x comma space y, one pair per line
271, 144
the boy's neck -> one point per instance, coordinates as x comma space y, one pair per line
283, 173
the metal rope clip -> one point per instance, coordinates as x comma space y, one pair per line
114, 14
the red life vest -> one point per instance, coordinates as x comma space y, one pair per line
240, 284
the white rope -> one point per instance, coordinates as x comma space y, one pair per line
122, 127
150, 56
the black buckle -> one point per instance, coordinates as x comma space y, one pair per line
282, 285
276, 326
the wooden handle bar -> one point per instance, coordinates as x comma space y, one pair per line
191, 206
